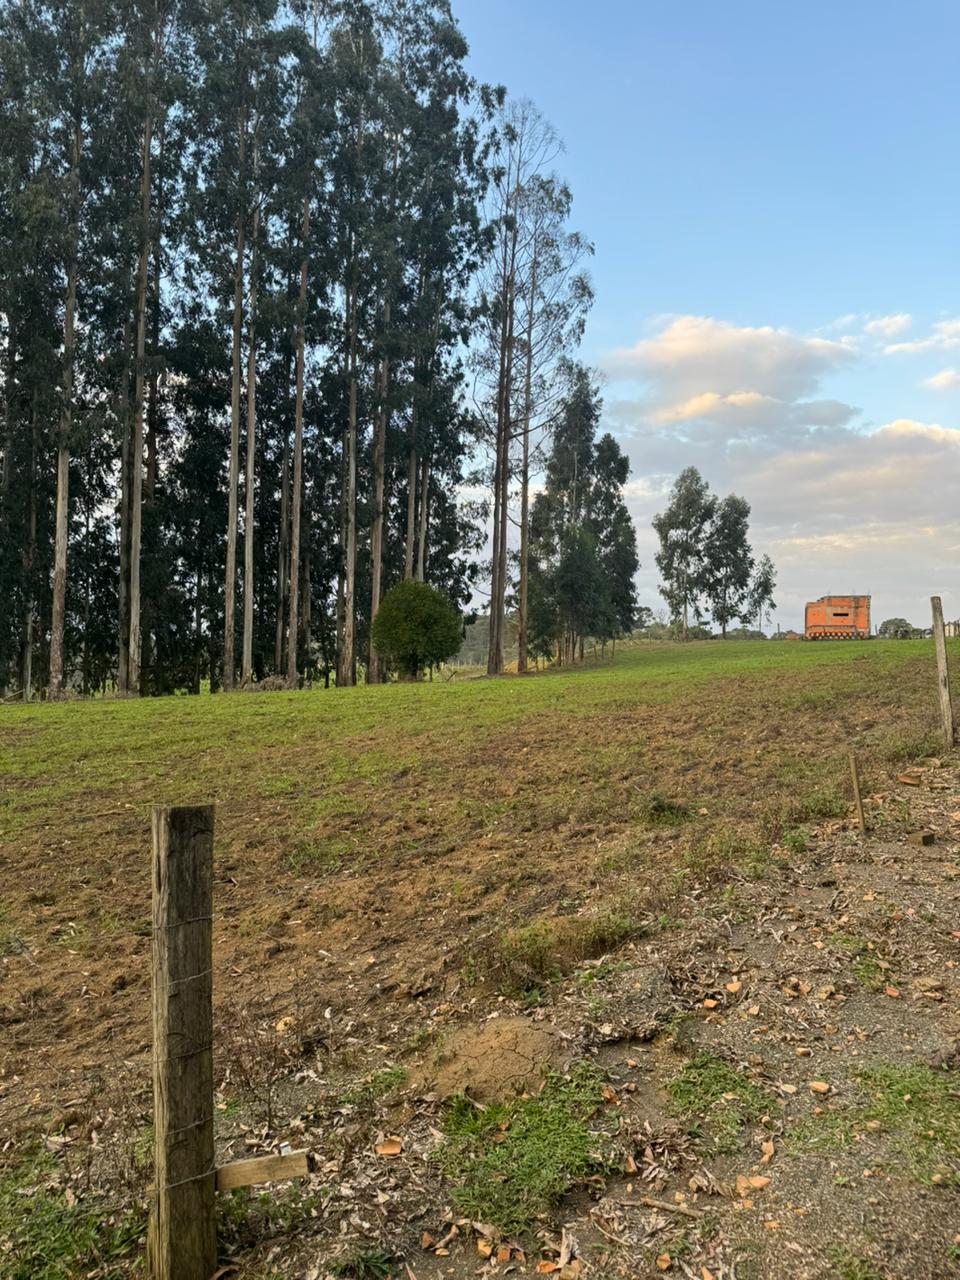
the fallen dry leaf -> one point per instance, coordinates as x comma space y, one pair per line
892, 992
734, 986
389, 1148
768, 1150
709, 1004
664, 1262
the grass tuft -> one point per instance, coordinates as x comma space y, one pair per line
709, 1089
537, 953
42, 1237
510, 1163
657, 810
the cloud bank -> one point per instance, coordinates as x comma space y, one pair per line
840, 505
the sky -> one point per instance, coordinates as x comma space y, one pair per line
773, 192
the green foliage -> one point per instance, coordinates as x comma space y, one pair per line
657, 810
706, 560
913, 1108
509, 1163
851, 1266
42, 1237
539, 952
710, 1089
682, 558
366, 1264
728, 561
376, 1087
416, 626
583, 544
895, 629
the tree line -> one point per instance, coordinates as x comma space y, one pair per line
277, 282
705, 559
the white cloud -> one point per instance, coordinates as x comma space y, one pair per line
945, 380
944, 336
693, 354
888, 326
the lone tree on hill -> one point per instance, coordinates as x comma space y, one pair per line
416, 626
682, 558
706, 559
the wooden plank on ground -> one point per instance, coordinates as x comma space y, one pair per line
247, 1173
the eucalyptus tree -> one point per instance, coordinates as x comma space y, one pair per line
583, 543
527, 146
728, 561
682, 558
554, 296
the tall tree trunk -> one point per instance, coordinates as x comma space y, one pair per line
230, 583
306, 601
498, 583
346, 673
85, 676
28, 557
505, 481
123, 591
413, 468
282, 554
149, 605
136, 473
495, 647
424, 518
413, 464
296, 517
58, 618
379, 494
246, 674
522, 607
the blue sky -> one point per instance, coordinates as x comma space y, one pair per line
774, 194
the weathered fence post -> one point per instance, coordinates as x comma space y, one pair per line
182, 1238
857, 792
943, 674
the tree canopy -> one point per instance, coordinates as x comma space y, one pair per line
706, 561
416, 627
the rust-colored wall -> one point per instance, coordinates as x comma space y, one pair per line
839, 617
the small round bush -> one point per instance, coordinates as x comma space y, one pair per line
416, 626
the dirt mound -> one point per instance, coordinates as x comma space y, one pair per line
495, 1061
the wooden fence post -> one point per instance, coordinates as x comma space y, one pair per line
943, 674
857, 793
182, 1237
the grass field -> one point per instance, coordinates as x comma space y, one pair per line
416, 820
370, 842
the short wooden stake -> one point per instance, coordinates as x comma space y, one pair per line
182, 1236
943, 674
857, 794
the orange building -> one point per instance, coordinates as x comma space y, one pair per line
838, 618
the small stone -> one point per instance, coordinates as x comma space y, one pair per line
819, 1086
801, 1051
